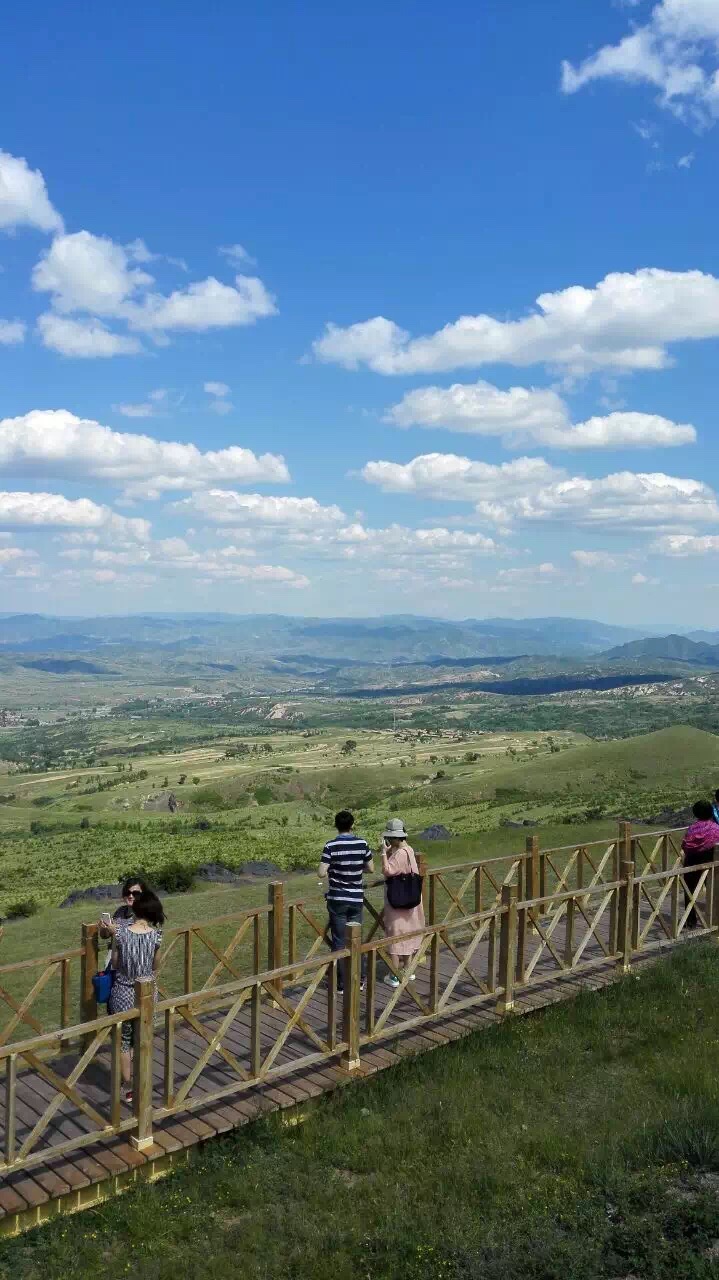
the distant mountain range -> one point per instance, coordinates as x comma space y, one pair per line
392, 639
673, 648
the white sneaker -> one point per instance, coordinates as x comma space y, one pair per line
391, 981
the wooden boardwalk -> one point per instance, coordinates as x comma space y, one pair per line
55, 1184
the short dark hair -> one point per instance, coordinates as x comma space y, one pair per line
148, 907
703, 811
344, 820
131, 880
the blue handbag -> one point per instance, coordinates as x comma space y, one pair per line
103, 983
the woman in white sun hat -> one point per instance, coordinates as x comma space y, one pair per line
402, 886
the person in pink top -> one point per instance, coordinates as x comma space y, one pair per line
398, 859
698, 845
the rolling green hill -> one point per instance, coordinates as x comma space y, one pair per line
669, 756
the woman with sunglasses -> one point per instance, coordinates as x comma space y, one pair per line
132, 888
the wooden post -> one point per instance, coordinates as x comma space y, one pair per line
624, 913
543, 882
64, 993
188, 960
10, 1100
507, 948
614, 904
169, 1073
256, 1030
427, 880
276, 899
523, 873
532, 889
143, 1063
88, 968
332, 1004
423, 871
714, 891
626, 847
434, 949
292, 936
478, 888
569, 934
351, 998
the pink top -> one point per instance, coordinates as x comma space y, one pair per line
701, 837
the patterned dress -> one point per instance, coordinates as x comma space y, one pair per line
135, 953
398, 923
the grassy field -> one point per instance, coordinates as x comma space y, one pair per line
578, 1144
77, 827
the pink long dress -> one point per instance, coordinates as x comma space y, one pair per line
398, 923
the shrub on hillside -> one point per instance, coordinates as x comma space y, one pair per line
175, 877
208, 798
41, 801
264, 795
23, 909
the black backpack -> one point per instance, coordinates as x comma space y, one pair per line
404, 891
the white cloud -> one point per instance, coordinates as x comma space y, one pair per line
56, 442
219, 391
522, 415
10, 555
686, 162
595, 559
53, 511
207, 304
156, 402
398, 540
529, 491
237, 255
174, 559
676, 51
12, 332
682, 545
89, 339
92, 275
24, 201
641, 580
447, 475
228, 507
529, 575
623, 430
625, 322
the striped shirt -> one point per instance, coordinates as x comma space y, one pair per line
346, 857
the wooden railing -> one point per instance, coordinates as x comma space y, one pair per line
258, 990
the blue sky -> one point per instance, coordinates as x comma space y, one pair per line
406, 308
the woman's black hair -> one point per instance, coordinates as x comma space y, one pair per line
131, 880
148, 907
703, 811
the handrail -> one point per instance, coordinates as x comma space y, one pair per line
473, 958
242, 984
37, 1043
72, 954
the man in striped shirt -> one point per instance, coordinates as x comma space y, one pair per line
345, 860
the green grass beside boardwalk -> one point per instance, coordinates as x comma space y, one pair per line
581, 1143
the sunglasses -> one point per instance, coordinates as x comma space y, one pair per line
135, 893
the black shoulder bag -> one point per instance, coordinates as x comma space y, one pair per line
404, 891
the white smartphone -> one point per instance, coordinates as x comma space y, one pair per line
106, 917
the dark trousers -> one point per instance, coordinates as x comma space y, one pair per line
341, 914
691, 880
